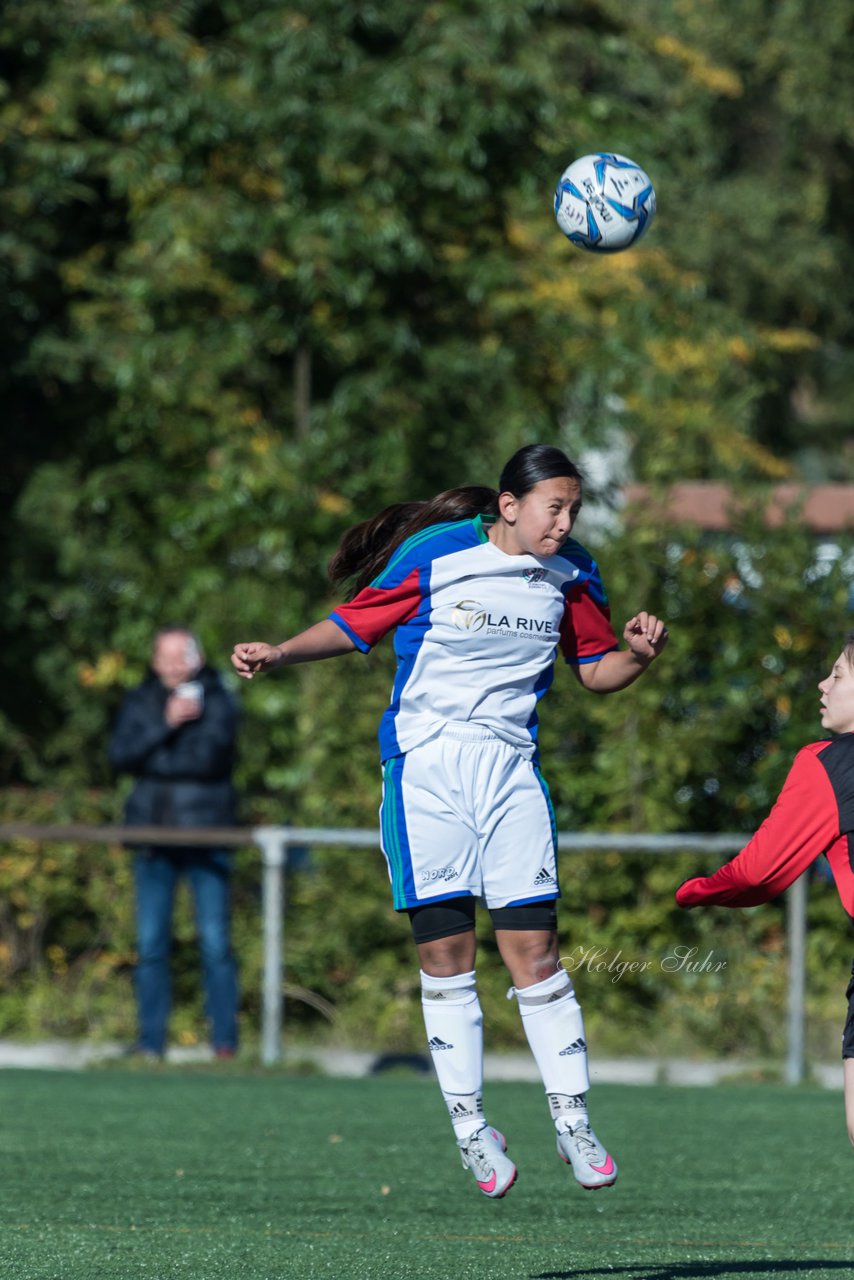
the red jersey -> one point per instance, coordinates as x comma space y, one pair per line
813, 814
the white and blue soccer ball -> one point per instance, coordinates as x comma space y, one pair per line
604, 202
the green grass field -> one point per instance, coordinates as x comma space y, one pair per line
114, 1175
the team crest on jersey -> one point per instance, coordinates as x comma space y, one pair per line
533, 577
469, 615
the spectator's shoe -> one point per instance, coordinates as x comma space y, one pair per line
592, 1165
483, 1153
224, 1052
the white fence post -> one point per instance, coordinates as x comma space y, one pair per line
796, 949
273, 843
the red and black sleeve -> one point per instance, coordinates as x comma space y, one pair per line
804, 823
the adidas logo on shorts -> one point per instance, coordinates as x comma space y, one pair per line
436, 1044
577, 1046
543, 877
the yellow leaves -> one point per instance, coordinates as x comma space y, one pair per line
790, 341
719, 80
258, 184
275, 264
22, 864
521, 235
736, 449
681, 356
105, 673
561, 293
80, 272
345, 175
739, 350
162, 26
703, 358
47, 103
454, 252
783, 636
334, 504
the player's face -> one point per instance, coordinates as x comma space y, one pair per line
837, 697
541, 522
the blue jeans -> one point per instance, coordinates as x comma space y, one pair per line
156, 875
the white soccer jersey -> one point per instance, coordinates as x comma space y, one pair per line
477, 631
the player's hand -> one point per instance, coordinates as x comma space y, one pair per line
646, 635
249, 659
687, 897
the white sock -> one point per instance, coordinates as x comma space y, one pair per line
454, 1025
551, 1016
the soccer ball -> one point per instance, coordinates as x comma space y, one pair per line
604, 202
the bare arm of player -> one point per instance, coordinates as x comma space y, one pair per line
645, 636
324, 640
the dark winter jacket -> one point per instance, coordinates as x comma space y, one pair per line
184, 774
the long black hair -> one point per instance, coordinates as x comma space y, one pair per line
366, 549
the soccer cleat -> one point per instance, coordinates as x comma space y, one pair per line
592, 1165
483, 1153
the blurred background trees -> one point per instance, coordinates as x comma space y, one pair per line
267, 268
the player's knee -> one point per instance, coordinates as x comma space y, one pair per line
444, 935
540, 966
528, 947
444, 957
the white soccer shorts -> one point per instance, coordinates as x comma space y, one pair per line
466, 815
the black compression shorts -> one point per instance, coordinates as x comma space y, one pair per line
456, 915
848, 1033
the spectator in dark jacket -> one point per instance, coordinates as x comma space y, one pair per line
176, 734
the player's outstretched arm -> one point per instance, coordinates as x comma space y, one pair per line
803, 824
645, 636
324, 640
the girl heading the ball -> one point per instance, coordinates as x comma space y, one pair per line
482, 589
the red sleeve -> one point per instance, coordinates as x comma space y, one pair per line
377, 610
586, 634
803, 824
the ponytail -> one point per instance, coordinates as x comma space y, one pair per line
365, 550
366, 544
